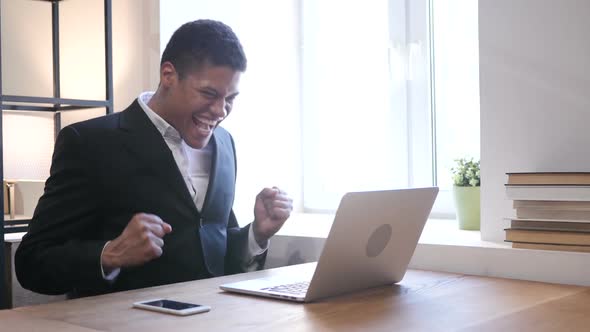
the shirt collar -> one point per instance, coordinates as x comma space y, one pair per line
165, 129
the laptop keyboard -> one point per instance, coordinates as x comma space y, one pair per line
295, 288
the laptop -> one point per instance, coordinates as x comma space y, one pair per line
370, 244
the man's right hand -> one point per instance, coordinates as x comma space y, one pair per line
140, 242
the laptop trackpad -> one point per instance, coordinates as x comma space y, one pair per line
263, 283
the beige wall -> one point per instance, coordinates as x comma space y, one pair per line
26, 57
26, 48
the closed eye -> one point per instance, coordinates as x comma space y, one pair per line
208, 94
230, 99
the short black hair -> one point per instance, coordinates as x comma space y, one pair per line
204, 41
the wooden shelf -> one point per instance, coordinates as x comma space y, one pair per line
49, 104
18, 217
19, 224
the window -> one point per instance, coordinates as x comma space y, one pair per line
390, 96
348, 141
455, 89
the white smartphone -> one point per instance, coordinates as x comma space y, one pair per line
172, 307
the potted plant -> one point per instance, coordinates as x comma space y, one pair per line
466, 184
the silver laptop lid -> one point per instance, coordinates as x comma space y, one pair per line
371, 241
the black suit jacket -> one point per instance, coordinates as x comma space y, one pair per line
104, 171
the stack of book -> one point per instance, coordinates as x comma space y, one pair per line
552, 210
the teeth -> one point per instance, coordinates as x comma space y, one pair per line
205, 124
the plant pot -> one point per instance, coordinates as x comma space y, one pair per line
467, 207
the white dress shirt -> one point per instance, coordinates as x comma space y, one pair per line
195, 167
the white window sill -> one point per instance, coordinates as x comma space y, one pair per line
447, 232
442, 247
436, 231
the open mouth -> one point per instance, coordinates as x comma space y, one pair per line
204, 125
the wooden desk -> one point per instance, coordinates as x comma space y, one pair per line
423, 301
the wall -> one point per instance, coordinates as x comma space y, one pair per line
26, 56
535, 95
27, 70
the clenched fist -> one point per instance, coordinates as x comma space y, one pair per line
271, 209
140, 242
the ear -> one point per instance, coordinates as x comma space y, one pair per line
168, 74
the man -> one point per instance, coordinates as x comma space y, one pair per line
144, 197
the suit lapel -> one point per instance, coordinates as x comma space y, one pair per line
212, 172
143, 140
221, 175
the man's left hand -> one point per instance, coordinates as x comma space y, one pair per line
272, 208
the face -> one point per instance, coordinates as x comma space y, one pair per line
197, 103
